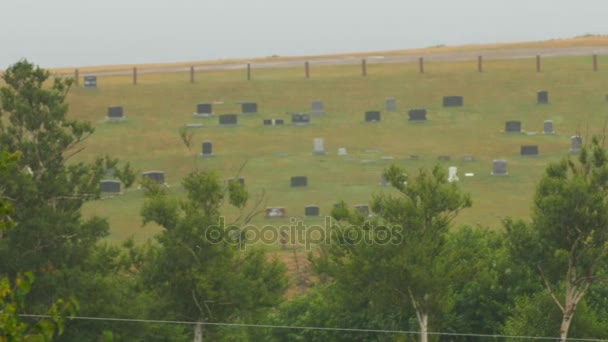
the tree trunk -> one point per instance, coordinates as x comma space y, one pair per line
198, 332
563, 330
423, 321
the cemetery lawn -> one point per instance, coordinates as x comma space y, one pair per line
162, 103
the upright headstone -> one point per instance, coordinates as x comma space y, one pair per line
548, 127
513, 127
90, 82
383, 181
204, 109
529, 150
342, 151
390, 104
417, 115
240, 180
110, 186
228, 119
268, 122
207, 149
452, 174
363, 209
318, 147
299, 181
157, 176
317, 107
499, 167
278, 122
372, 116
576, 144
275, 212
542, 97
249, 107
453, 101
311, 210
300, 119
115, 113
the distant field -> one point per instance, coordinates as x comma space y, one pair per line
161, 103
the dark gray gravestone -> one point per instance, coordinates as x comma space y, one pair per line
311, 210
115, 113
267, 122
240, 180
499, 167
417, 115
204, 109
157, 176
207, 149
275, 212
576, 143
453, 101
279, 122
110, 186
298, 181
317, 107
249, 108
548, 127
390, 104
300, 119
228, 119
90, 82
513, 127
363, 209
372, 116
542, 97
444, 158
529, 150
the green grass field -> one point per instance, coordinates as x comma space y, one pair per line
161, 103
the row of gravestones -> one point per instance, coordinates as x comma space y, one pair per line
112, 186
309, 211
515, 127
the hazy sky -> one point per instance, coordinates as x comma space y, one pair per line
56, 33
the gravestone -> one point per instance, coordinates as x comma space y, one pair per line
453, 101
342, 151
363, 209
529, 150
417, 115
383, 181
499, 167
390, 104
268, 122
227, 119
576, 143
372, 116
548, 127
249, 107
318, 146
275, 212
444, 158
300, 119
513, 127
311, 210
115, 113
542, 97
157, 176
468, 158
299, 181
317, 107
110, 186
452, 176
90, 82
204, 109
207, 149
279, 122
240, 180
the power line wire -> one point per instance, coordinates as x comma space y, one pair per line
294, 327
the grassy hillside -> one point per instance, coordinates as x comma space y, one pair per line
161, 103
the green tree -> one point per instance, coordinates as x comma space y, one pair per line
47, 187
567, 240
197, 272
400, 250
